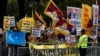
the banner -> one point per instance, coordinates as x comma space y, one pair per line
12, 21
17, 38
95, 14
36, 32
85, 15
6, 23
74, 15
26, 25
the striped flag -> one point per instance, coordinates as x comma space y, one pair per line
54, 12
69, 26
38, 17
41, 18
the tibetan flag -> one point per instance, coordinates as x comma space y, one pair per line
60, 22
38, 17
85, 15
16, 38
69, 26
54, 12
41, 18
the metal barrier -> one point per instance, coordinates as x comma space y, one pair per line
56, 50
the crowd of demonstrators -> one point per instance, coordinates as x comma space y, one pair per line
47, 36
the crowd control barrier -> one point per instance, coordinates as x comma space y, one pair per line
61, 49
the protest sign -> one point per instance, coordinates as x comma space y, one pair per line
26, 25
6, 23
73, 40
73, 15
12, 21
95, 14
36, 32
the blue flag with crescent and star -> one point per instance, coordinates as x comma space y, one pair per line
16, 38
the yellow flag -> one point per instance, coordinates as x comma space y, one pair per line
86, 17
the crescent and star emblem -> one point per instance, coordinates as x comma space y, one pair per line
12, 38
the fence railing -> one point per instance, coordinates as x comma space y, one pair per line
61, 49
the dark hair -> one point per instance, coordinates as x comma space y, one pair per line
83, 31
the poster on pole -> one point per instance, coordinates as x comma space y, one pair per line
95, 14
12, 21
26, 25
6, 23
73, 15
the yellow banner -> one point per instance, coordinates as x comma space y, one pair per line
85, 15
6, 23
49, 46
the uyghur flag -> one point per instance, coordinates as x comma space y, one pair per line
54, 12
16, 38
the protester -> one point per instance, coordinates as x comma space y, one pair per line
82, 44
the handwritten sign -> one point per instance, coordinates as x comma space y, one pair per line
36, 32
26, 25
12, 21
6, 23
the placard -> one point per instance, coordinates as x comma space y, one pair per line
12, 21
68, 40
73, 39
95, 14
6, 23
73, 15
26, 25
36, 32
